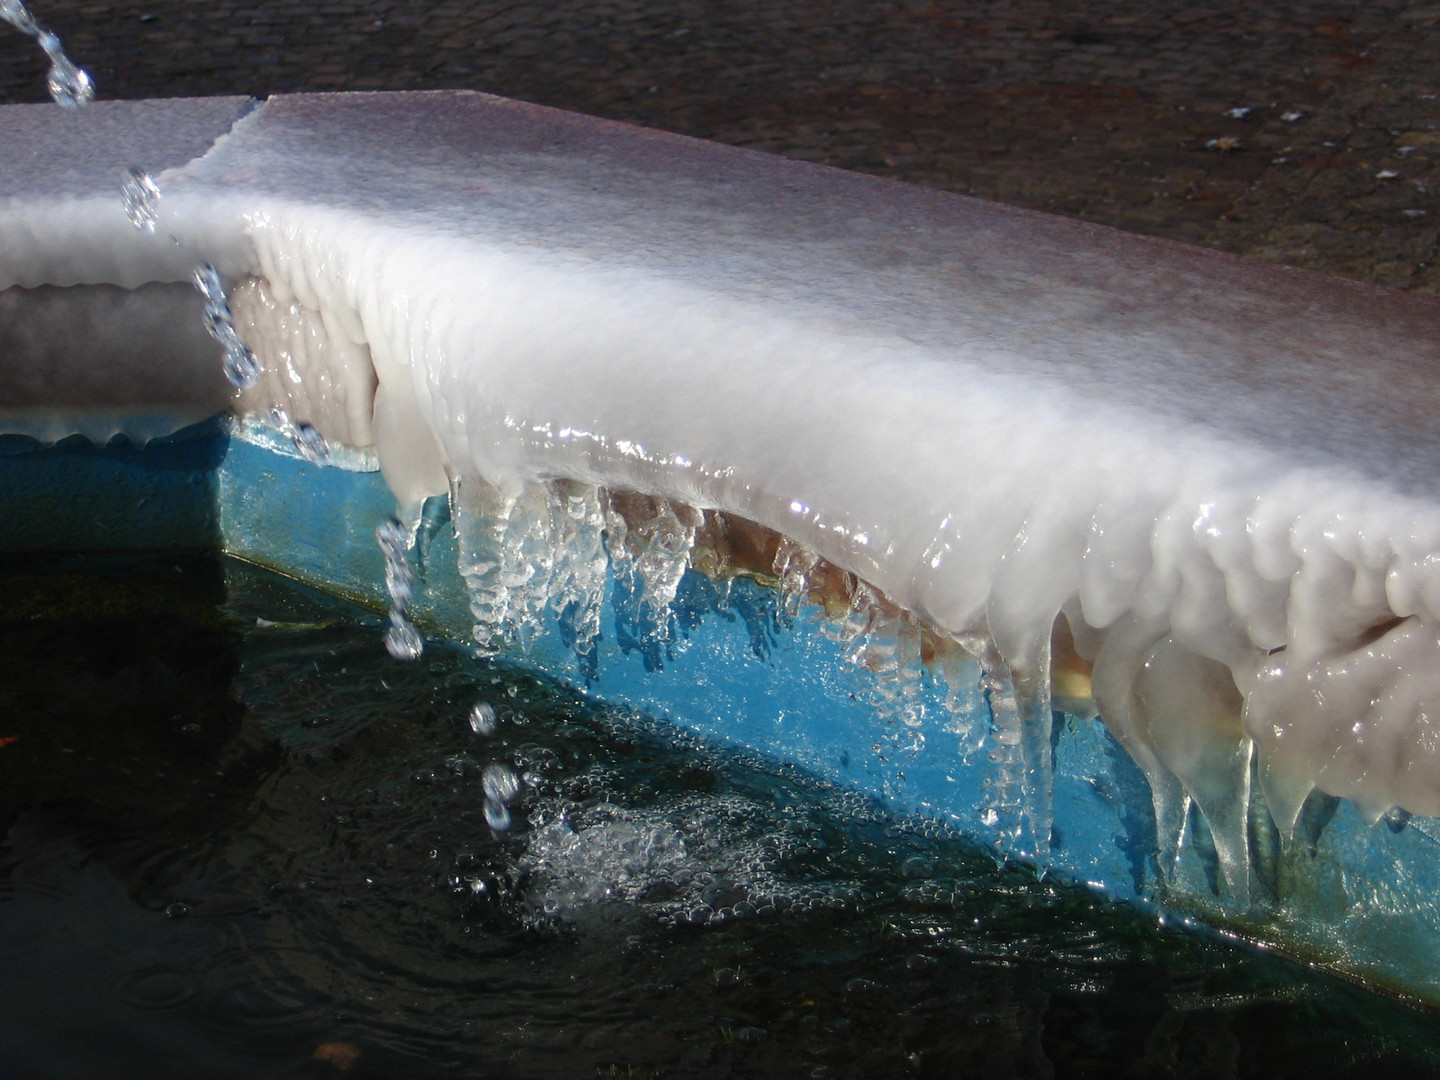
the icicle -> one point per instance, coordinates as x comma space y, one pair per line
482, 521
578, 592
665, 542
794, 563
1019, 799
964, 700
650, 541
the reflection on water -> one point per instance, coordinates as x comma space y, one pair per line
241, 840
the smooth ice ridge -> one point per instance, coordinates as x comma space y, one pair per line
1218, 483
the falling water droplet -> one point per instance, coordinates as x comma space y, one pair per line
497, 816
142, 199
242, 366
501, 784
69, 86
208, 283
483, 720
311, 444
242, 369
402, 640
18, 16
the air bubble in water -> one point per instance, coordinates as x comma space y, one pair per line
483, 720
142, 199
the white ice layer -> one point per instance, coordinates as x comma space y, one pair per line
1223, 479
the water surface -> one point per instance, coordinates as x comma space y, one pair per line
239, 840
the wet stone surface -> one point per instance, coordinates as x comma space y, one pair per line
1130, 113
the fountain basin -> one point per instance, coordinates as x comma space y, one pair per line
1001, 433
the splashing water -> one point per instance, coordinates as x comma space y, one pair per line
142, 199
402, 640
69, 86
242, 367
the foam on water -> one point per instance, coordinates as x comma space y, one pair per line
1000, 432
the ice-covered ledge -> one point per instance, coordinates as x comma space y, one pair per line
1211, 482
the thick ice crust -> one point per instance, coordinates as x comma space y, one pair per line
1222, 475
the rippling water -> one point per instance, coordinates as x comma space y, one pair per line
242, 841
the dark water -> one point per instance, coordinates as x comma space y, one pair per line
240, 841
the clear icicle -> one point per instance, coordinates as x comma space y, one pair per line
650, 541
68, 85
793, 565
578, 590
666, 540
964, 700
509, 554
481, 513
1019, 799
883, 643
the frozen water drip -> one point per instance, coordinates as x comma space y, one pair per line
69, 86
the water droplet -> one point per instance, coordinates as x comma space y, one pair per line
208, 284
141, 198
179, 909
311, 444
402, 640
17, 15
501, 784
242, 368
69, 86
497, 816
483, 720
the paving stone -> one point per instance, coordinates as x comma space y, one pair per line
1101, 110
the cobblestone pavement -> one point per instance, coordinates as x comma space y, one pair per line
1128, 112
